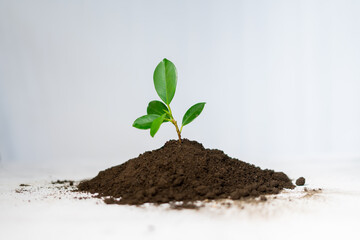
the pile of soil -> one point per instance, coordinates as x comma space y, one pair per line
184, 172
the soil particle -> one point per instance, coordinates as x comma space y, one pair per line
185, 205
70, 182
184, 172
263, 199
300, 181
24, 185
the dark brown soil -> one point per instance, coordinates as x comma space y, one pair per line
24, 185
71, 183
184, 172
300, 181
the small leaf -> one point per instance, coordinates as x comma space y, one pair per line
157, 107
165, 79
192, 113
144, 122
156, 124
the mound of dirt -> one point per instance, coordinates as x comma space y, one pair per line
184, 172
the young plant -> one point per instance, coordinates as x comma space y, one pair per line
165, 80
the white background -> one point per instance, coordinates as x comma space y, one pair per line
281, 78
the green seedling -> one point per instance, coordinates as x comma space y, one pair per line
165, 80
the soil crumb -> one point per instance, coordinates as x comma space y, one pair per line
300, 181
70, 182
185, 172
24, 185
311, 192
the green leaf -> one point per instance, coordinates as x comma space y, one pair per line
144, 122
156, 124
165, 79
157, 107
192, 113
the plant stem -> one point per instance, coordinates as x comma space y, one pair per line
177, 129
173, 121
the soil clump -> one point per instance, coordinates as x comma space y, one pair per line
184, 172
300, 181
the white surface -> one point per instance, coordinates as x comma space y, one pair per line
332, 214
